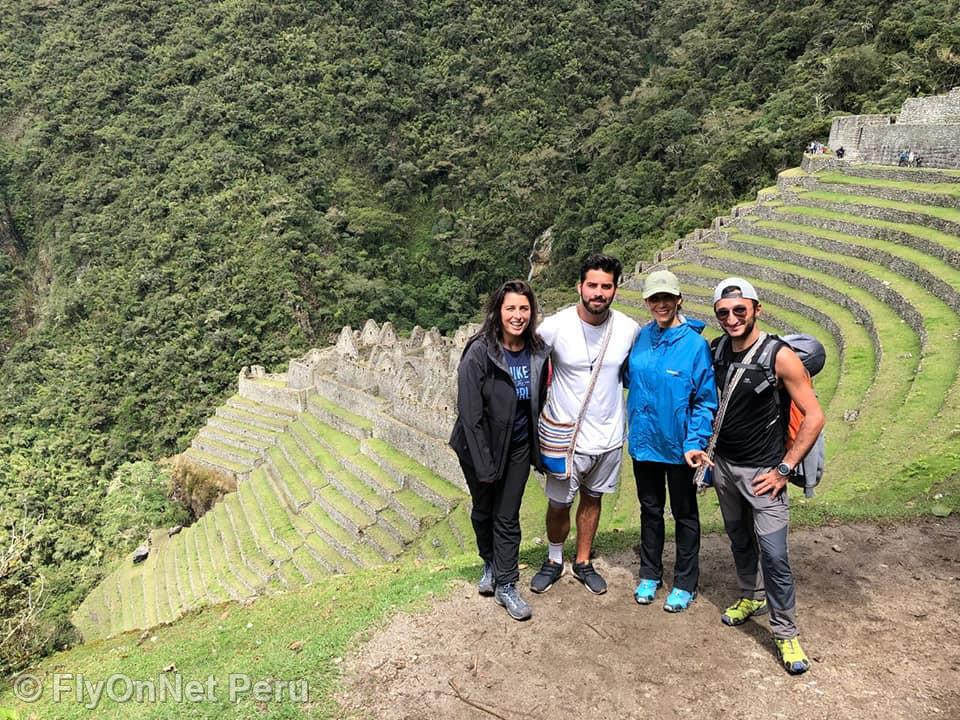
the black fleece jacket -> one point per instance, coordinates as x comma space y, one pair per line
486, 405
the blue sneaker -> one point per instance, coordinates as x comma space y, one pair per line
646, 591
678, 600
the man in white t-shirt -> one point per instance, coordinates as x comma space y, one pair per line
577, 335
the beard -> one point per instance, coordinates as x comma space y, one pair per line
594, 309
748, 325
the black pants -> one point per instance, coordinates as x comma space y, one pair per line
496, 515
651, 492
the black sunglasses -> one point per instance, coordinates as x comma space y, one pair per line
739, 311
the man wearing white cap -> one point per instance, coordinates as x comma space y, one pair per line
752, 463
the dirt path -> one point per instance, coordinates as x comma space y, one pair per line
879, 611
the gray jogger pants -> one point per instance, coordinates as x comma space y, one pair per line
757, 527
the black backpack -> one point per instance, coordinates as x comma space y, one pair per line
813, 355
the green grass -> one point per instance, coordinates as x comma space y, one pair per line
207, 458
952, 189
948, 214
341, 412
938, 171
943, 271
412, 468
255, 641
951, 242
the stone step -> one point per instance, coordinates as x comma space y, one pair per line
263, 532
887, 286
385, 544
344, 542
835, 183
208, 444
262, 409
290, 486
934, 275
260, 564
233, 553
906, 174
213, 591
290, 575
272, 392
259, 435
349, 517
334, 448
176, 599
247, 443
308, 566
327, 556
931, 242
192, 594
217, 463
888, 210
411, 474
275, 510
234, 586
312, 473
340, 418
245, 414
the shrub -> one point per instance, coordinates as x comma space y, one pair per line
197, 487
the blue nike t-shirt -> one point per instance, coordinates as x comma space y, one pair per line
519, 365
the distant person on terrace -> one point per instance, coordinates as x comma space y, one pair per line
501, 384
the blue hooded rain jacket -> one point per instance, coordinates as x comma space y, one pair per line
672, 394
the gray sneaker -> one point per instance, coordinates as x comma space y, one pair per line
486, 585
515, 605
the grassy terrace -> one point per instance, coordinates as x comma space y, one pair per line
938, 171
352, 418
943, 271
945, 240
948, 214
947, 188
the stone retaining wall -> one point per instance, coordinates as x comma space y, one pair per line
929, 126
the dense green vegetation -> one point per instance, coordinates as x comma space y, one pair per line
190, 187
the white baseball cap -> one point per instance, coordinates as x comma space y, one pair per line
747, 291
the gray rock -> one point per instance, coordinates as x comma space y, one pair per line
141, 553
175, 530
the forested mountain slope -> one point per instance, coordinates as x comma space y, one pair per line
191, 187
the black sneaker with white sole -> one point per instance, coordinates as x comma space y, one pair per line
546, 576
591, 579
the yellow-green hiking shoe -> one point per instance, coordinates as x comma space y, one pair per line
741, 610
792, 656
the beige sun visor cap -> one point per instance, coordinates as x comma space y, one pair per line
661, 281
747, 291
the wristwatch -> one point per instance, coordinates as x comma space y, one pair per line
784, 469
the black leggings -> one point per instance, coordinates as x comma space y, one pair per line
496, 515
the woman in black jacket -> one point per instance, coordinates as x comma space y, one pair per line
501, 383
